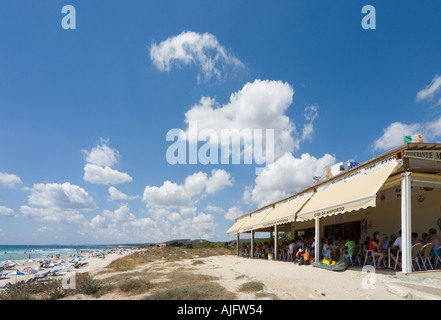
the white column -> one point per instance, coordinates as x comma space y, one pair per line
238, 239
276, 241
317, 240
406, 227
252, 244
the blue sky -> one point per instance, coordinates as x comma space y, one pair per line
84, 113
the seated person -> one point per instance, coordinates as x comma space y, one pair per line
424, 238
375, 245
349, 245
385, 241
415, 238
327, 250
397, 246
436, 241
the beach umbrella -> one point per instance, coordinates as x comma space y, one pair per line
67, 268
16, 272
7, 261
29, 260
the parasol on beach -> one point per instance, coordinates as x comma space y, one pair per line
7, 261
29, 260
15, 272
13, 264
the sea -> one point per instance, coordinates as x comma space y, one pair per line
23, 252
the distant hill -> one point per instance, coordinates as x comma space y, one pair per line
198, 243
205, 243
186, 242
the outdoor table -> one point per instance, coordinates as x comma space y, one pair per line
388, 256
389, 253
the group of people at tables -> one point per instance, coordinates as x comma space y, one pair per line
286, 250
382, 246
336, 248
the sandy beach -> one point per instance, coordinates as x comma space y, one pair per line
94, 264
282, 280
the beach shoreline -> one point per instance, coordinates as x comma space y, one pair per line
94, 264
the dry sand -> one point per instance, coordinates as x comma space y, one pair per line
289, 281
284, 280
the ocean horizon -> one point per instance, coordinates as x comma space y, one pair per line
23, 252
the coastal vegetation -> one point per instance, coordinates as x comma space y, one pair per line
134, 277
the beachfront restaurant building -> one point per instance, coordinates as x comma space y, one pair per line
398, 190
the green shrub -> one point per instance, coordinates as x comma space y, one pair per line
135, 285
252, 286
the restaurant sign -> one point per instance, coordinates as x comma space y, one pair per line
427, 154
329, 212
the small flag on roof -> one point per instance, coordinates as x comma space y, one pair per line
413, 138
315, 179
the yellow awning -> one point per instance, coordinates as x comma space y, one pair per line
285, 212
255, 219
351, 193
235, 227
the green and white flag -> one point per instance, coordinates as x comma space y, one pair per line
413, 138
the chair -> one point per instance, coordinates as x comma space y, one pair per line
41, 276
369, 255
282, 254
435, 253
415, 254
355, 254
427, 248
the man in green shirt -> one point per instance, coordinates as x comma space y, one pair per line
350, 246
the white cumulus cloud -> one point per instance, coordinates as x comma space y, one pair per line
174, 206
7, 212
233, 213
9, 180
393, 135
173, 196
261, 104
187, 48
430, 91
115, 195
58, 203
287, 175
104, 175
98, 167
